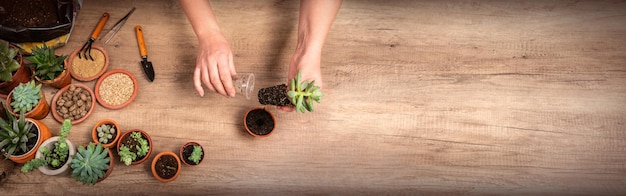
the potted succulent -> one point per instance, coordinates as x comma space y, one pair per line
300, 94
84, 69
191, 153
12, 70
259, 122
49, 68
165, 166
134, 147
75, 102
55, 154
20, 137
92, 164
116, 89
29, 99
107, 132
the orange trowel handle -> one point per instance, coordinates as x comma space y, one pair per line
140, 41
100, 26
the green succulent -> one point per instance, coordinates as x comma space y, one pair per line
303, 93
105, 133
196, 154
91, 163
56, 158
14, 134
46, 64
8, 64
25, 96
127, 156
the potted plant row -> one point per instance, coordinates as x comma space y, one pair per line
54, 155
12, 69
21, 137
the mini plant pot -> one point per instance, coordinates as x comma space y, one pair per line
123, 139
259, 122
186, 150
84, 102
42, 135
166, 166
86, 70
112, 143
38, 112
50, 144
60, 81
22, 75
118, 81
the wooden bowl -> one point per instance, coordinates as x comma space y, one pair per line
58, 94
99, 89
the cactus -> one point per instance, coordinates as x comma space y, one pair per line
25, 96
8, 64
46, 64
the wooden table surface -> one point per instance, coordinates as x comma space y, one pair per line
446, 97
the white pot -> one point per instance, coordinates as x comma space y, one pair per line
50, 144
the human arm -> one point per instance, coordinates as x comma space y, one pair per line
214, 63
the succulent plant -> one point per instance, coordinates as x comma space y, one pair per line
25, 96
55, 158
196, 154
8, 64
90, 163
106, 133
46, 64
127, 156
15, 134
303, 93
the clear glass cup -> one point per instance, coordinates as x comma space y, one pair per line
244, 84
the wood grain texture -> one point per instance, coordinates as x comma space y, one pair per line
431, 97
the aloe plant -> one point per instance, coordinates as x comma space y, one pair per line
46, 64
15, 134
55, 158
302, 93
8, 64
25, 96
91, 163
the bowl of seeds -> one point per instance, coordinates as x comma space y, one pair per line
116, 89
75, 102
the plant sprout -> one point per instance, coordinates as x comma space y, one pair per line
303, 93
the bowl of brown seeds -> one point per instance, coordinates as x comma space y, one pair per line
75, 102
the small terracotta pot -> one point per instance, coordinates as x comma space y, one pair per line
118, 132
38, 112
143, 133
99, 83
154, 162
70, 65
44, 134
50, 144
111, 164
184, 159
22, 75
248, 129
58, 94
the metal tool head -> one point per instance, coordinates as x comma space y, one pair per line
148, 69
117, 26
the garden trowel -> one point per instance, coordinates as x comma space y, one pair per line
145, 64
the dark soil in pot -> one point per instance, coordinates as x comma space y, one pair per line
260, 122
274, 95
166, 166
29, 13
187, 152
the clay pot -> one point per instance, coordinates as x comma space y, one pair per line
254, 132
184, 158
111, 164
71, 67
118, 132
44, 134
38, 112
154, 171
145, 135
58, 94
124, 104
50, 144
60, 81
22, 75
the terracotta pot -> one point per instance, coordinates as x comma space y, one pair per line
44, 134
183, 158
70, 65
38, 112
111, 164
60, 81
143, 133
99, 83
22, 75
251, 132
118, 132
154, 162
50, 144
58, 94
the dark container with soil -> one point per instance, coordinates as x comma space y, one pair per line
166, 166
35, 20
259, 122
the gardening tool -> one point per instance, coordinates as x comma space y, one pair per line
86, 49
147, 65
117, 26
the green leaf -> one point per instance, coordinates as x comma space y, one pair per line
291, 94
